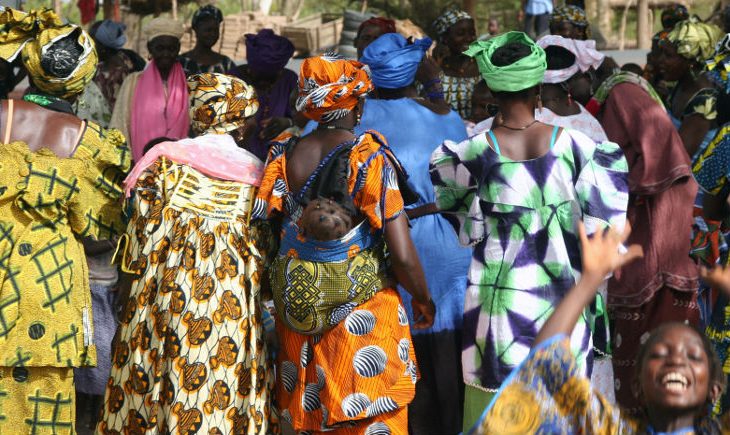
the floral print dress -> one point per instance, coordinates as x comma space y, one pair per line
190, 356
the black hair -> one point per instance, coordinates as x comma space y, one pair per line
510, 53
62, 58
151, 144
207, 12
633, 67
717, 377
558, 57
605, 70
507, 55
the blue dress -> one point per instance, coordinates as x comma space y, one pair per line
413, 132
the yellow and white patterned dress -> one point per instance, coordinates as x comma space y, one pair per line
191, 357
47, 204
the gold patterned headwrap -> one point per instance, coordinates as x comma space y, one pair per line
219, 103
31, 35
694, 39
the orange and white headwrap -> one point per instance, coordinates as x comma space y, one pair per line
330, 87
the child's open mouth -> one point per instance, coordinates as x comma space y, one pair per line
675, 381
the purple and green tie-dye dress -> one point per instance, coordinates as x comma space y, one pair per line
521, 218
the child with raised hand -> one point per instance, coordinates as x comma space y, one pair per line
678, 376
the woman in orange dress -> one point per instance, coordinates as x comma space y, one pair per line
346, 364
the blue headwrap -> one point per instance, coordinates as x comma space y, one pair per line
393, 61
111, 34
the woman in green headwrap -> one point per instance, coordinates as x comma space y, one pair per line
516, 193
692, 102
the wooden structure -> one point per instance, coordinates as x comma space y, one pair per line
233, 29
155, 7
314, 33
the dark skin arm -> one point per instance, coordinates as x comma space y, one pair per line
408, 271
124, 286
272, 127
693, 131
428, 71
600, 256
715, 207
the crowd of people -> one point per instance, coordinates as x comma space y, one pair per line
507, 234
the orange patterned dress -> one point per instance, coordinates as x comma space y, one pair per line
346, 364
190, 356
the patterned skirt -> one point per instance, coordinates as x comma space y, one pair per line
356, 378
190, 356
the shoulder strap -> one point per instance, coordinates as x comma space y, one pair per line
494, 142
8, 121
554, 136
408, 194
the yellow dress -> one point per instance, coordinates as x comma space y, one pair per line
47, 204
191, 356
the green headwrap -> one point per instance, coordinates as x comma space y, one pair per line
523, 74
694, 39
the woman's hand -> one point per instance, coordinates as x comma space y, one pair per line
272, 127
423, 313
718, 277
428, 70
600, 254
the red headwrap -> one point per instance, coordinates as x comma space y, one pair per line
386, 25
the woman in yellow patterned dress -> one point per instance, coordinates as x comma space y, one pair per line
190, 356
60, 181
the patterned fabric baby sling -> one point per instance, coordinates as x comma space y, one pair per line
316, 284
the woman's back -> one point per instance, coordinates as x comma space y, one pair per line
305, 154
522, 215
413, 131
292, 164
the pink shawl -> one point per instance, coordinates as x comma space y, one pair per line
153, 114
215, 155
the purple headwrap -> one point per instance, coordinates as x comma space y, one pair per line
268, 52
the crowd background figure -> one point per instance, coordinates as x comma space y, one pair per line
187, 225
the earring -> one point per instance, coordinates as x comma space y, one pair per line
570, 99
358, 116
539, 103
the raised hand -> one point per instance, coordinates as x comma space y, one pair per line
600, 253
718, 277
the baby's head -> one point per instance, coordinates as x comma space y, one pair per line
678, 371
325, 219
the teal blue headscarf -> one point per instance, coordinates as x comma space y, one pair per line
523, 74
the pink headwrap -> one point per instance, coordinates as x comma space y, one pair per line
153, 113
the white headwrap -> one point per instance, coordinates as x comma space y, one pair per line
586, 57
